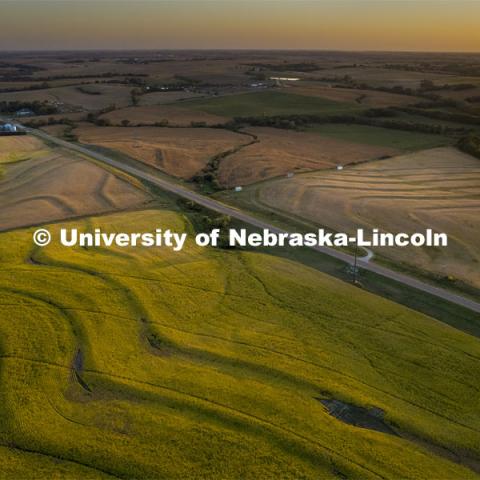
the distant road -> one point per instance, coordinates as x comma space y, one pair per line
244, 217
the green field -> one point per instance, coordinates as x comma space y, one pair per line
269, 103
384, 137
146, 363
421, 119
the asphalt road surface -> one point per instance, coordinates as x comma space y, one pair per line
244, 217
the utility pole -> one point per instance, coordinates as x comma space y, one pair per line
355, 264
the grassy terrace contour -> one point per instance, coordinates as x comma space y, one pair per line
210, 363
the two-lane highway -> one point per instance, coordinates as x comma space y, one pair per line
251, 220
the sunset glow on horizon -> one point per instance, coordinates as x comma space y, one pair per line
290, 24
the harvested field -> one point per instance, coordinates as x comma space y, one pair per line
386, 77
74, 116
17, 148
280, 151
181, 152
71, 96
368, 98
94, 69
173, 70
57, 130
61, 82
52, 185
149, 115
437, 189
460, 94
17, 85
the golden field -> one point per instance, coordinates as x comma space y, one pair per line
181, 152
277, 152
72, 97
172, 114
435, 189
368, 98
146, 363
42, 185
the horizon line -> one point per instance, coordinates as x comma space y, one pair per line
234, 49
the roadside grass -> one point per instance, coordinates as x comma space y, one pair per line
208, 363
269, 103
432, 188
379, 136
449, 313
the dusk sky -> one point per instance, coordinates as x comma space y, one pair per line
426, 25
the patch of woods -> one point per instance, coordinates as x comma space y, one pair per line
18, 71
143, 61
39, 86
134, 94
67, 134
442, 115
20, 77
206, 220
86, 91
283, 67
458, 68
377, 117
183, 84
94, 117
470, 144
37, 107
38, 123
426, 89
43, 85
430, 86
192, 83
207, 178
